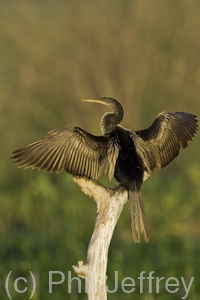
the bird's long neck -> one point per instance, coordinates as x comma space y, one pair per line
110, 120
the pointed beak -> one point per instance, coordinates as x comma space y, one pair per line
93, 100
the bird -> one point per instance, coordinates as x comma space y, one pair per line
129, 156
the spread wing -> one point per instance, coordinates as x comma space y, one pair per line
159, 144
73, 150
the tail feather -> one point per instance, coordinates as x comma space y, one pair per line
139, 224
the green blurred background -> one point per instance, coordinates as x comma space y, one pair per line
54, 53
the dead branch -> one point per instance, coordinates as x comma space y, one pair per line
110, 204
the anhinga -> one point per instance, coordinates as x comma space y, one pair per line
130, 156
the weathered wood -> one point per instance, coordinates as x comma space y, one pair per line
110, 204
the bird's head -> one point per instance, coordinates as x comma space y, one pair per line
110, 119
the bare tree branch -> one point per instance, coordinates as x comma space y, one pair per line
110, 204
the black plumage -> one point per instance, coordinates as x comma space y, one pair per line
130, 156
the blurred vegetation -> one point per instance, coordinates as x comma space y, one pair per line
54, 53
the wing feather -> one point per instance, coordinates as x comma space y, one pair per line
159, 144
73, 150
